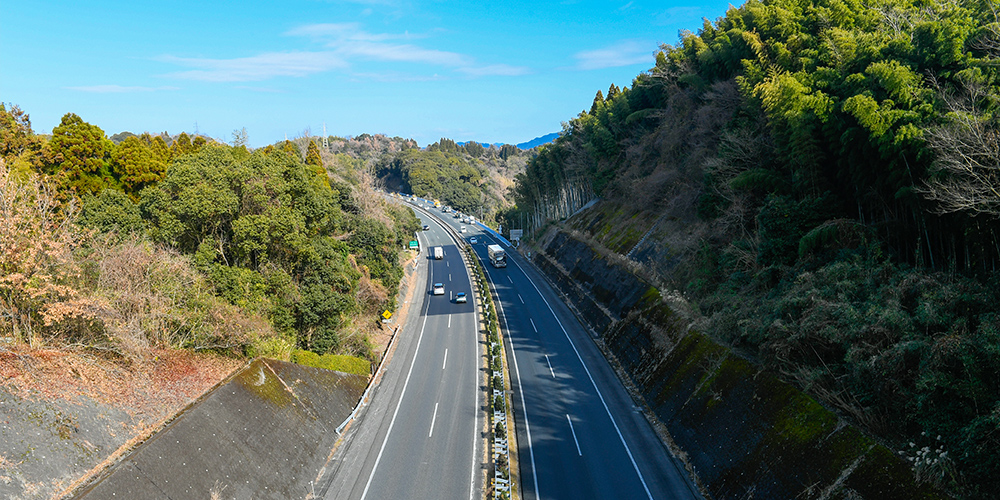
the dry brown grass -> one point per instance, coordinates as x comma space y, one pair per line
154, 389
152, 392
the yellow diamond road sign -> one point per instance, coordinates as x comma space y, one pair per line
387, 314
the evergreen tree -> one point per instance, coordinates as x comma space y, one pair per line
598, 101
80, 156
613, 92
182, 145
313, 158
136, 165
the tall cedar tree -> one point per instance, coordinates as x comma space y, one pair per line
80, 156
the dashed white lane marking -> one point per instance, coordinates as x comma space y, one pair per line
570, 430
431, 433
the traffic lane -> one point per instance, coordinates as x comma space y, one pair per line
662, 474
441, 395
370, 454
450, 272
430, 452
659, 471
593, 415
351, 470
574, 452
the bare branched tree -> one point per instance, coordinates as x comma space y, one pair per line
967, 145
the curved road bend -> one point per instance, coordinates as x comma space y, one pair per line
579, 433
419, 437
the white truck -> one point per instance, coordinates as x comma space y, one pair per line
438, 253
497, 257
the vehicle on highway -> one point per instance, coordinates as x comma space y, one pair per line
426, 227
463, 229
438, 288
460, 298
473, 240
438, 253
457, 215
497, 256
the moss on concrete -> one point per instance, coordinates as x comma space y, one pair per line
746, 432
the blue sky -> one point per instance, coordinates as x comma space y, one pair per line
494, 72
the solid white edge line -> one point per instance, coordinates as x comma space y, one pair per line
475, 382
592, 381
398, 404
445, 362
524, 407
475, 391
435, 417
573, 432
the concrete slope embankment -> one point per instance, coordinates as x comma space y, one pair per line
267, 433
745, 433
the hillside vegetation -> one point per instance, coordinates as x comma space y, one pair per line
819, 180
134, 244
470, 178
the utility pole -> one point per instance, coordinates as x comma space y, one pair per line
326, 141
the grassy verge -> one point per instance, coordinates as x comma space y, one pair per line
336, 362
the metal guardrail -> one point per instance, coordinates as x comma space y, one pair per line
371, 383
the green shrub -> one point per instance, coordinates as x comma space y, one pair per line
278, 347
335, 362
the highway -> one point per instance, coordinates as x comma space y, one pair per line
421, 435
579, 433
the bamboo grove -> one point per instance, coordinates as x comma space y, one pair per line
840, 164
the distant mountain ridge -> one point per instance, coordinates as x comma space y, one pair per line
537, 141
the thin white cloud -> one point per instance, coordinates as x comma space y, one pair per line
351, 41
495, 70
341, 31
118, 89
256, 68
393, 76
402, 53
267, 90
625, 53
344, 45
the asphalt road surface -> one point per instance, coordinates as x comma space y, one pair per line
420, 435
579, 433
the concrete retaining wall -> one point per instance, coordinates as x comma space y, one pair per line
746, 433
265, 434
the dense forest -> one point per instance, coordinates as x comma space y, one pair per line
829, 173
136, 241
469, 177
